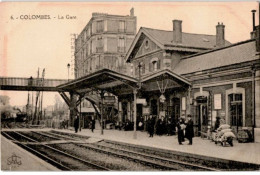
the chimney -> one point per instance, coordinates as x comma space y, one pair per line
220, 36
255, 34
253, 14
132, 12
257, 31
177, 31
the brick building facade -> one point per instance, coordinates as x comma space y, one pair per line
223, 77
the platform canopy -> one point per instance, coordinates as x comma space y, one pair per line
164, 79
120, 84
105, 79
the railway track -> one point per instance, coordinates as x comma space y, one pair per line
156, 159
145, 159
201, 162
58, 158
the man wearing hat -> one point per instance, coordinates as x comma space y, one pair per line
189, 133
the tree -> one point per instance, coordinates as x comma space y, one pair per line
59, 107
5, 107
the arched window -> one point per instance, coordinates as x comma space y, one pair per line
154, 64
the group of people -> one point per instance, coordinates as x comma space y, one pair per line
185, 129
76, 124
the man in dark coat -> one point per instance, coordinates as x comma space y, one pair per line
76, 124
93, 122
217, 123
150, 125
169, 127
189, 133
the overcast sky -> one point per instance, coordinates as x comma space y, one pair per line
29, 44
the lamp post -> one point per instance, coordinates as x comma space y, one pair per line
68, 66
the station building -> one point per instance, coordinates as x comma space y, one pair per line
210, 77
176, 73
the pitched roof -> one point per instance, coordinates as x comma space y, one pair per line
237, 53
188, 39
190, 42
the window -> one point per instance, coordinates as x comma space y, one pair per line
82, 55
82, 40
100, 26
121, 44
90, 47
155, 65
85, 35
117, 63
99, 45
121, 26
90, 29
146, 45
143, 68
235, 108
86, 51
86, 67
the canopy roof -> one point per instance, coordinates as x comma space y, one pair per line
104, 79
164, 79
120, 84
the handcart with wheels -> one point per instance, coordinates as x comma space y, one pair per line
224, 135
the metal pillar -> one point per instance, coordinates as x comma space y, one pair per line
120, 117
80, 115
135, 92
72, 108
128, 110
253, 103
102, 111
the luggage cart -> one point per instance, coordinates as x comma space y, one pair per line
223, 135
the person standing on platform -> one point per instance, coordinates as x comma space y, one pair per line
180, 130
217, 123
189, 133
150, 124
158, 128
93, 122
76, 123
169, 126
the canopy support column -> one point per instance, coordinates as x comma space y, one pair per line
72, 107
102, 111
135, 92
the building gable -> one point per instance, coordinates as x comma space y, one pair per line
146, 47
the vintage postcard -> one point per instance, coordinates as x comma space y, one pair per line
130, 86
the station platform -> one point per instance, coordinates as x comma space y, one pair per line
14, 158
244, 152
